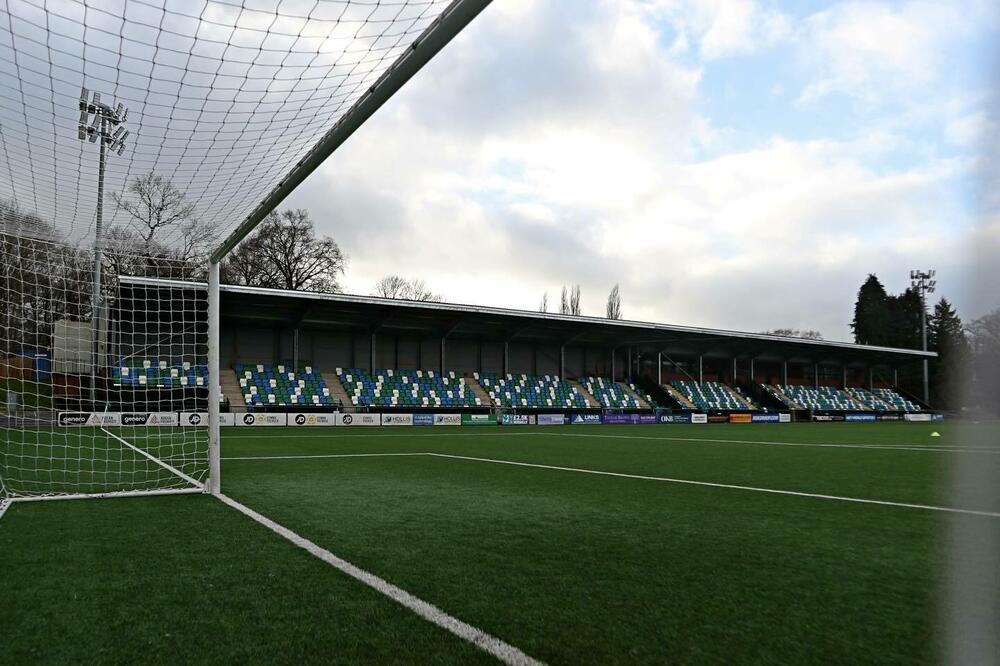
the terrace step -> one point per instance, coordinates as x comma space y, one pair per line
230, 386
587, 395
642, 402
479, 391
678, 396
337, 391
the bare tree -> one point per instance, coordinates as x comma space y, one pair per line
395, 286
544, 305
564, 302
614, 310
285, 253
795, 333
574, 301
156, 205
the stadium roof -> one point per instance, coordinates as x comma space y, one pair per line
371, 314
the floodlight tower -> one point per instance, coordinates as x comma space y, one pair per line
924, 283
100, 121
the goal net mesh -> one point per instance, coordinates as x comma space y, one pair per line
134, 137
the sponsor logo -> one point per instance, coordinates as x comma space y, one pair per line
249, 419
918, 417
73, 418
889, 417
194, 419
699, 418
740, 418
715, 418
860, 417
359, 419
675, 418
516, 419
784, 417
448, 419
423, 419
135, 419
827, 417
300, 419
648, 419
227, 419
397, 419
765, 418
619, 419
551, 419
479, 419
586, 419
264, 419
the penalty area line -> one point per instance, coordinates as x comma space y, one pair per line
503, 651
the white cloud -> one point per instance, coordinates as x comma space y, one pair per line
535, 153
722, 28
866, 49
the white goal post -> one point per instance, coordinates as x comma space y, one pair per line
129, 173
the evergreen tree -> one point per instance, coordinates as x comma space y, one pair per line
946, 336
871, 323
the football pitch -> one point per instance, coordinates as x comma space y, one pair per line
792, 543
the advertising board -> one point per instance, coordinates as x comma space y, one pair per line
619, 419
740, 418
251, 419
675, 418
397, 419
551, 419
784, 417
479, 419
918, 417
699, 418
312, 419
195, 419
423, 419
765, 418
586, 419
359, 419
857, 418
517, 419
447, 419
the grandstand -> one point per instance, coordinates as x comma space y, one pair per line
158, 373
397, 355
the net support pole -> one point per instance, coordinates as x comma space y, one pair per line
214, 484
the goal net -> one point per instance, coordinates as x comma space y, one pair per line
143, 141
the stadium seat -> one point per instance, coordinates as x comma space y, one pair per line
158, 373
531, 391
280, 385
406, 388
821, 399
713, 396
610, 394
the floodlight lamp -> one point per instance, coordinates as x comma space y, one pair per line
119, 109
93, 137
933, 273
84, 115
118, 133
97, 97
121, 149
83, 132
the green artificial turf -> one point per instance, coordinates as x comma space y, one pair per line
569, 567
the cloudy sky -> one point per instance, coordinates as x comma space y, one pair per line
736, 164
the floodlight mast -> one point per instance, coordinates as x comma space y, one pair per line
924, 283
99, 121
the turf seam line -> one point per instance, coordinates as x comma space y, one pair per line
729, 486
503, 651
162, 464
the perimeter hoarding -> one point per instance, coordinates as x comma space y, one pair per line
479, 419
313, 419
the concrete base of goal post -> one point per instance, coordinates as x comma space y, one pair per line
214, 484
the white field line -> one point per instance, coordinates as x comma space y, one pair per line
934, 448
322, 455
162, 464
729, 486
4, 505
503, 651
643, 477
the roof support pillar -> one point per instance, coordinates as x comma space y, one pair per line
895, 377
815, 375
753, 374
844, 385
506, 358
784, 372
871, 378
629, 373
442, 354
372, 355
701, 369
659, 368
562, 362
295, 349
734, 371
479, 364
612, 364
